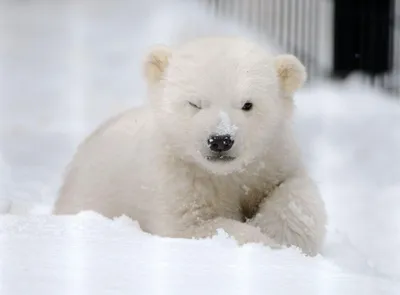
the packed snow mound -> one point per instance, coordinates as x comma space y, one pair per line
88, 254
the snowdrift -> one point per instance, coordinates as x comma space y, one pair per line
87, 254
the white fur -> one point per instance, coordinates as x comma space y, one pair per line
150, 163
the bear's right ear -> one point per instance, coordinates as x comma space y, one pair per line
156, 63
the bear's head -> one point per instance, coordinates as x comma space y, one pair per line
221, 102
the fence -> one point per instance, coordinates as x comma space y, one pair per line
331, 37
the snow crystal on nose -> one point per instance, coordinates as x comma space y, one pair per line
225, 126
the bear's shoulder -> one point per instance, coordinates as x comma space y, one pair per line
127, 122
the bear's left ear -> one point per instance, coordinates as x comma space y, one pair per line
156, 63
291, 72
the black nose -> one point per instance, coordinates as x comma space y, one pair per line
220, 143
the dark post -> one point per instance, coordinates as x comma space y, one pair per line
363, 37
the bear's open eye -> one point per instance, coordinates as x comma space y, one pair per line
247, 106
194, 105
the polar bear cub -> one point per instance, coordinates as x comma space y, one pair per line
212, 149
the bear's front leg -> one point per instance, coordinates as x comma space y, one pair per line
293, 214
191, 214
189, 206
241, 232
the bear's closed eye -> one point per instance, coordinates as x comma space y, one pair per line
194, 105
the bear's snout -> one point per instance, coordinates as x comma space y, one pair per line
220, 143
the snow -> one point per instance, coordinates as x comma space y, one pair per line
66, 67
88, 254
225, 126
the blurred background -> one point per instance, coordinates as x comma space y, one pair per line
332, 37
66, 65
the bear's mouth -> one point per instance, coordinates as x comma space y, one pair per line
220, 158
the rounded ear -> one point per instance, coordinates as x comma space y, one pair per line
156, 63
291, 72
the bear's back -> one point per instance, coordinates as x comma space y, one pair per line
103, 175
